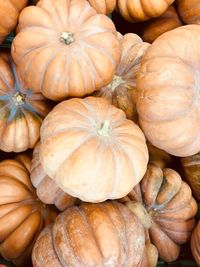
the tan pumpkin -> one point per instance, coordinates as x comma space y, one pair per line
46, 189
65, 54
91, 150
104, 6
9, 13
141, 10
189, 11
195, 243
165, 206
121, 92
21, 110
22, 216
157, 26
167, 87
91, 235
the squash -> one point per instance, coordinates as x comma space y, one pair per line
95, 235
195, 243
21, 110
9, 13
91, 150
189, 11
167, 95
104, 6
46, 188
65, 54
157, 26
22, 216
141, 10
121, 92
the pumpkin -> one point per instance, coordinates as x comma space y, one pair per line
65, 54
91, 150
103, 6
165, 206
158, 157
9, 13
157, 26
167, 95
189, 11
141, 10
195, 243
22, 216
21, 110
121, 91
91, 235
46, 189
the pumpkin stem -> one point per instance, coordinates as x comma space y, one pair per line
117, 80
140, 212
19, 98
67, 38
104, 129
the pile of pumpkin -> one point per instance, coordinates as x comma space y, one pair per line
91, 125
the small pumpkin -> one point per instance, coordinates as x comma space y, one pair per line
95, 235
195, 243
22, 216
21, 110
46, 189
157, 26
104, 6
65, 54
189, 11
167, 95
91, 150
121, 92
141, 10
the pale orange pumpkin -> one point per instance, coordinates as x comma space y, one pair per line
121, 92
189, 11
65, 54
168, 96
104, 6
195, 243
91, 150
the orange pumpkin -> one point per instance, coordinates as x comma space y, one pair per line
95, 235
46, 188
21, 110
195, 243
91, 150
9, 13
189, 11
121, 92
104, 6
22, 216
157, 26
65, 54
141, 10
167, 99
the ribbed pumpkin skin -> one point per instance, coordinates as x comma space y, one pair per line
9, 13
46, 188
91, 150
91, 235
189, 11
157, 26
65, 49
21, 215
195, 243
141, 10
168, 95
121, 92
21, 110
104, 6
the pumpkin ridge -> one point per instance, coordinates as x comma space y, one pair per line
53, 245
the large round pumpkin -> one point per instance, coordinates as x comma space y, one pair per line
168, 95
121, 92
195, 243
21, 110
140, 10
91, 150
9, 13
189, 11
46, 188
103, 6
65, 54
22, 216
91, 235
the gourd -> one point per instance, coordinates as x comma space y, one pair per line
189, 11
104, 6
195, 243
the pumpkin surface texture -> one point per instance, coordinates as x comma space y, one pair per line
121, 92
22, 216
189, 11
168, 94
21, 110
91, 150
195, 243
46, 188
103, 6
91, 235
64, 48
